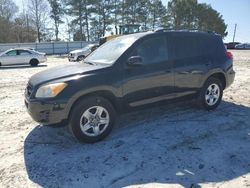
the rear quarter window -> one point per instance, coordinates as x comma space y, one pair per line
210, 45
23, 52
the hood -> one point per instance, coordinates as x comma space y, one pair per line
63, 71
76, 51
80, 51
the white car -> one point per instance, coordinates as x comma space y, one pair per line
19, 56
80, 54
243, 46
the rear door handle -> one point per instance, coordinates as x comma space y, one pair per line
208, 63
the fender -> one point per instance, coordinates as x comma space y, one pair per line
114, 95
210, 73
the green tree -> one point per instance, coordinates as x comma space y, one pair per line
189, 14
210, 20
80, 11
157, 12
131, 10
56, 14
102, 10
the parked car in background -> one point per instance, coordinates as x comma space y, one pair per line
243, 46
19, 56
231, 45
80, 54
130, 71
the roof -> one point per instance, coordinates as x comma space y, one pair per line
184, 31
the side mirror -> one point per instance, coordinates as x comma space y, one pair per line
135, 61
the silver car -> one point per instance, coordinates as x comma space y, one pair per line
243, 46
19, 56
80, 54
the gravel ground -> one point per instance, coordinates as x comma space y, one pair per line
173, 145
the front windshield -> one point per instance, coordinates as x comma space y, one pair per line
110, 51
88, 46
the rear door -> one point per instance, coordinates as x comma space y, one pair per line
24, 56
191, 62
153, 80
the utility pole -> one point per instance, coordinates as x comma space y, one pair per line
235, 27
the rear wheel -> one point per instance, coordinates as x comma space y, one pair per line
34, 62
211, 94
92, 119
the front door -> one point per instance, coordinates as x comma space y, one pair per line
151, 81
10, 58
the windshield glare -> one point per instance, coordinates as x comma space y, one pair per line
110, 51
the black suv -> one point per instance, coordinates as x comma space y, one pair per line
130, 70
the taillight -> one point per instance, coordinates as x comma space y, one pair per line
229, 55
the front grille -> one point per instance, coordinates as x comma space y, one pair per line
29, 90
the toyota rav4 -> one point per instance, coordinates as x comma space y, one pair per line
130, 70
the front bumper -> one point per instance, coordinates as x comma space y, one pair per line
72, 57
46, 112
230, 74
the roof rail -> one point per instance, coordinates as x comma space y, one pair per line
158, 30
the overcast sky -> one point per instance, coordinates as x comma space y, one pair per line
233, 12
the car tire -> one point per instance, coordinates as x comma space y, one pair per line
92, 119
211, 94
80, 58
34, 62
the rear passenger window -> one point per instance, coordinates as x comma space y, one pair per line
185, 46
153, 50
24, 52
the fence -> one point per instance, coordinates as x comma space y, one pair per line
47, 47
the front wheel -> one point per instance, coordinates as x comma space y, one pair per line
80, 58
92, 119
211, 94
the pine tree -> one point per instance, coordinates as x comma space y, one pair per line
56, 14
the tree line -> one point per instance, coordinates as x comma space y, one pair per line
47, 20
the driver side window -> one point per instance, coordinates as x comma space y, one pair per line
153, 50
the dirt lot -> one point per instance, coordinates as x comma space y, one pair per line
174, 145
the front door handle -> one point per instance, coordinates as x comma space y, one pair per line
184, 72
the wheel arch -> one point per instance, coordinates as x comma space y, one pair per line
219, 75
108, 95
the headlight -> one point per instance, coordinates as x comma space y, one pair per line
50, 90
